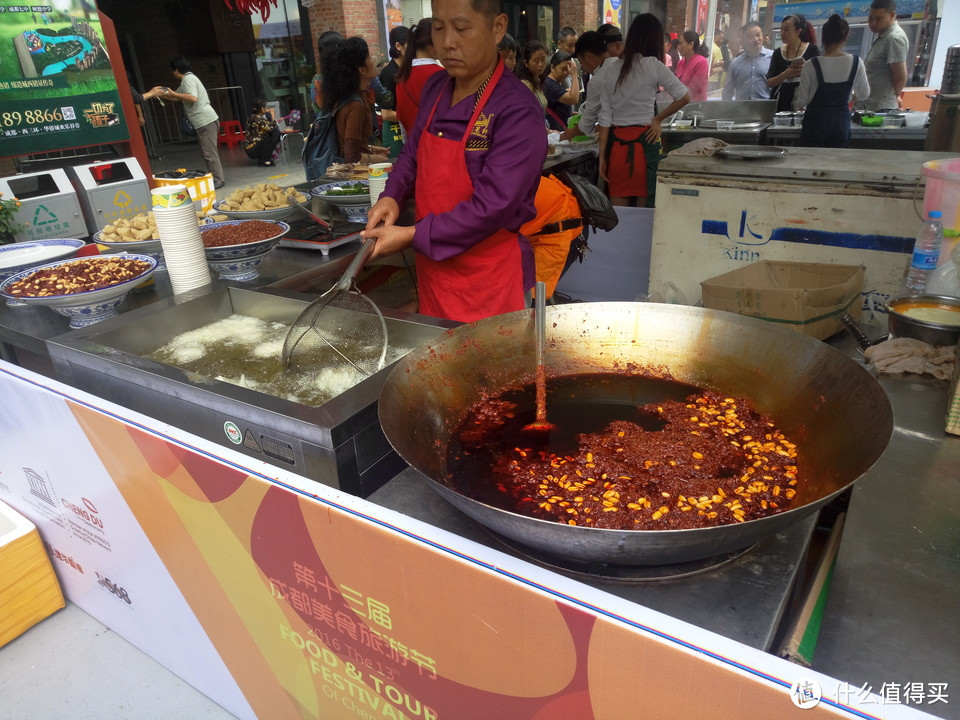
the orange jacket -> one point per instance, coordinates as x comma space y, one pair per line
555, 202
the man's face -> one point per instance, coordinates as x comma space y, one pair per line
568, 44
464, 40
880, 20
589, 61
752, 40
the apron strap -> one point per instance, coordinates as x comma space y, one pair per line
494, 79
816, 67
853, 70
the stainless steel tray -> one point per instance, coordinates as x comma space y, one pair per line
752, 152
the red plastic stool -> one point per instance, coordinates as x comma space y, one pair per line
231, 132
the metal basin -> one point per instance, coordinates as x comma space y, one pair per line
737, 124
830, 405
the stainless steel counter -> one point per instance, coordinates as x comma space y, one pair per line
743, 599
28, 328
879, 138
892, 615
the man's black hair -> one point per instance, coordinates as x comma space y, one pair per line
180, 64
591, 41
487, 8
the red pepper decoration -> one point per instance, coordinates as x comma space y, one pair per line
251, 6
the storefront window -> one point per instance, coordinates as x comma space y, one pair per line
533, 21
281, 59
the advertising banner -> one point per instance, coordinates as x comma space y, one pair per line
281, 598
57, 88
611, 12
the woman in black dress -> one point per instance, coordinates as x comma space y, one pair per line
799, 45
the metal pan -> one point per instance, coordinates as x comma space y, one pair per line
836, 411
903, 325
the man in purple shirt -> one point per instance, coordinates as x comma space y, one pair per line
473, 160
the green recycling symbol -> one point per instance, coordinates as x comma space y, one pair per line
45, 219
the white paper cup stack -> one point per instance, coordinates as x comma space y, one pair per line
180, 238
379, 173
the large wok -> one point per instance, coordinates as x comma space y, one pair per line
830, 405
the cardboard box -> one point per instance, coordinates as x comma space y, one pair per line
201, 189
29, 591
808, 297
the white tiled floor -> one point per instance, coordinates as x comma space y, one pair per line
71, 667
238, 169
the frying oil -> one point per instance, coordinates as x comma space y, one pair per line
576, 405
247, 351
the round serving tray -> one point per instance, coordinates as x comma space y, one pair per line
752, 152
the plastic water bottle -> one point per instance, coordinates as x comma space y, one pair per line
926, 252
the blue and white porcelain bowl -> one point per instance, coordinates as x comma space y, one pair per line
239, 262
17, 257
83, 308
151, 247
355, 207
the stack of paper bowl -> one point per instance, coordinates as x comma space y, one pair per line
180, 238
379, 172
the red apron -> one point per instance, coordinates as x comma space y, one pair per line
483, 280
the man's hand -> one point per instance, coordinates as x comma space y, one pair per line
386, 211
390, 239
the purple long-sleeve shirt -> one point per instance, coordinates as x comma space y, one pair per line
504, 167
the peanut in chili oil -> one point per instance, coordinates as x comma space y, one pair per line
692, 458
240, 233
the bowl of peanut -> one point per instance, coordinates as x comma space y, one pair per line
86, 290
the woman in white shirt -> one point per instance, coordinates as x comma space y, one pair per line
825, 86
628, 128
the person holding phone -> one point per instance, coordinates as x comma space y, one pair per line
799, 45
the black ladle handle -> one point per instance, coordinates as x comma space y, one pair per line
863, 342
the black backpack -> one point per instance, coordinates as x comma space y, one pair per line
594, 205
321, 148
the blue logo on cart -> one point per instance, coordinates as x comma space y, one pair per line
232, 432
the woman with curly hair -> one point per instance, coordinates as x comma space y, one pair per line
348, 70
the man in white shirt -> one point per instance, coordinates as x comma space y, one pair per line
197, 107
591, 51
886, 63
747, 74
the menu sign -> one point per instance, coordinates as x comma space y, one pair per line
57, 87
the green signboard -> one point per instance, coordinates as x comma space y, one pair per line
57, 88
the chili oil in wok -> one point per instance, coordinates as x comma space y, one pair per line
627, 452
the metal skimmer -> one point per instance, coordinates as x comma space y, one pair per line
342, 324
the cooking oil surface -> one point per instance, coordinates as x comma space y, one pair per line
247, 351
